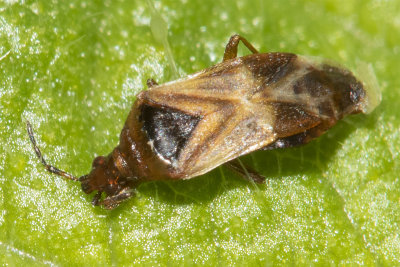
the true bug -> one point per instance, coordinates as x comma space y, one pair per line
185, 128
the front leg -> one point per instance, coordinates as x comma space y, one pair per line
96, 198
231, 47
245, 171
112, 202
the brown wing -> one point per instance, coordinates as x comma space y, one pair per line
241, 105
222, 122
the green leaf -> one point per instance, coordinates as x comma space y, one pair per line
73, 69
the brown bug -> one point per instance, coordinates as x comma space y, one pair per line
185, 128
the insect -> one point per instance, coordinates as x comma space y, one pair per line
185, 128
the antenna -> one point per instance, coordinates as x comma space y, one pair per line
48, 167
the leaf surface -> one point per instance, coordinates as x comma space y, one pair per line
73, 69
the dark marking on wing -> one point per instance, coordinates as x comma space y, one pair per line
348, 90
271, 67
297, 89
290, 141
326, 109
168, 129
292, 119
315, 83
303, 137
334, 83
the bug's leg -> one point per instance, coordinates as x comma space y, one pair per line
48, 167
245, 171
150, 83
96, 199
112, 202
231, 47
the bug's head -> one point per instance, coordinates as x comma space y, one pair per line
104, 177
97, 179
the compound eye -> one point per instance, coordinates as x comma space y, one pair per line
98, 161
